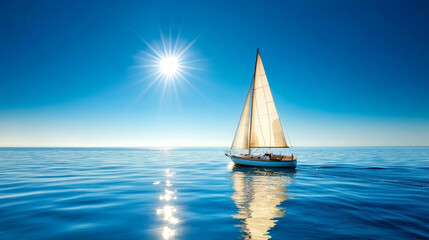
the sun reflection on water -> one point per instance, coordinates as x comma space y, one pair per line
168, 211
258, 195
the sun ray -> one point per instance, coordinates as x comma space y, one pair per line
147, 88
152, 48
163, 44
185, 49
176, 43
169, 44
166, 66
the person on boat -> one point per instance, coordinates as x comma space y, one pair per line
270, 155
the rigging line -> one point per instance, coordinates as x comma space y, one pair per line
287, 136
253, 98
249, 115
266, 103
259, 120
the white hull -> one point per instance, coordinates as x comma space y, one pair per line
263, 163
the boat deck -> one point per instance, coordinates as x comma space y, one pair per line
266, 157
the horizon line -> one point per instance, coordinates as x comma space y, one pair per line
178, 147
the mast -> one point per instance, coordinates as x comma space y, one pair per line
253, 96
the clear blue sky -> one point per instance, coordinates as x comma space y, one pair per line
343, 73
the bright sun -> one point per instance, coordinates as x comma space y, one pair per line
169, 65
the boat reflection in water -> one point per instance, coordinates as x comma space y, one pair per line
258, 194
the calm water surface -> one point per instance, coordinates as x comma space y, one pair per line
335, 193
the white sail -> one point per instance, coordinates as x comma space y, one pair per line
241, 139
266, 130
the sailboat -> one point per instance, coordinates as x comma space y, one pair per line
264, 130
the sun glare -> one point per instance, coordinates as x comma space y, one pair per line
167, 65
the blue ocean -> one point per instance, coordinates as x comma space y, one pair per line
108, 193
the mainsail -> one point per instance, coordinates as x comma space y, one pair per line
265, 127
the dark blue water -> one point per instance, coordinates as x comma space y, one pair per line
335, 193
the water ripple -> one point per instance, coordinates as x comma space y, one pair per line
338, 193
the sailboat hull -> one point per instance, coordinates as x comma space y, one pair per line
263, 162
